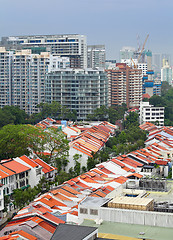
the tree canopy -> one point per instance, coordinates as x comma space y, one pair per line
110, 114
165, 100
18, 140
12, 115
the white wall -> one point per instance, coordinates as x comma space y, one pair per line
136, 217
33, 177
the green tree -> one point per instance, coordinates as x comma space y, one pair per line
17, 140
157, 101
131, 119
54, 141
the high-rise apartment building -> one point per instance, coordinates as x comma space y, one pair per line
28, 79
96, 56
125, 85
73, 46
5, 75
22, 79
23, 76
78, 89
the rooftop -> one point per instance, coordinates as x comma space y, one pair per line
72, 232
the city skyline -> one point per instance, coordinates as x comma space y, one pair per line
113, 23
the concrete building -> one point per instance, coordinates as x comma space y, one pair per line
78, 89
125, 85
73, 46
149, 113
96, 56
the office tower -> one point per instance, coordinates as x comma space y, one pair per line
96, 56
125, 85
73, 46
78, 89
166, 72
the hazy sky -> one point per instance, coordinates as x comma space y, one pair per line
115, 23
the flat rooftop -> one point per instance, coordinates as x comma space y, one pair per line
124, 231
132, 201
94, 201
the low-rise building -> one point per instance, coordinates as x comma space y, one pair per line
149, 113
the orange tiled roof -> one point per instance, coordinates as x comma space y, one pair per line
15, 166
28, 161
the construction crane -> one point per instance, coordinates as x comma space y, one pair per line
142, 48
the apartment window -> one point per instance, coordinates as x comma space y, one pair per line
21, 175
93, 211
84, 210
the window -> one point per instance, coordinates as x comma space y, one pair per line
84, 210
93, 211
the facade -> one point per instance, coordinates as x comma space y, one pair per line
28, 80
149, 113
96, 56
125, 85
14, 175
73, 46
78, 89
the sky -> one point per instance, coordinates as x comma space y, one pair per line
115, 23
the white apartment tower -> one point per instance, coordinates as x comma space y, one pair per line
22, 79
